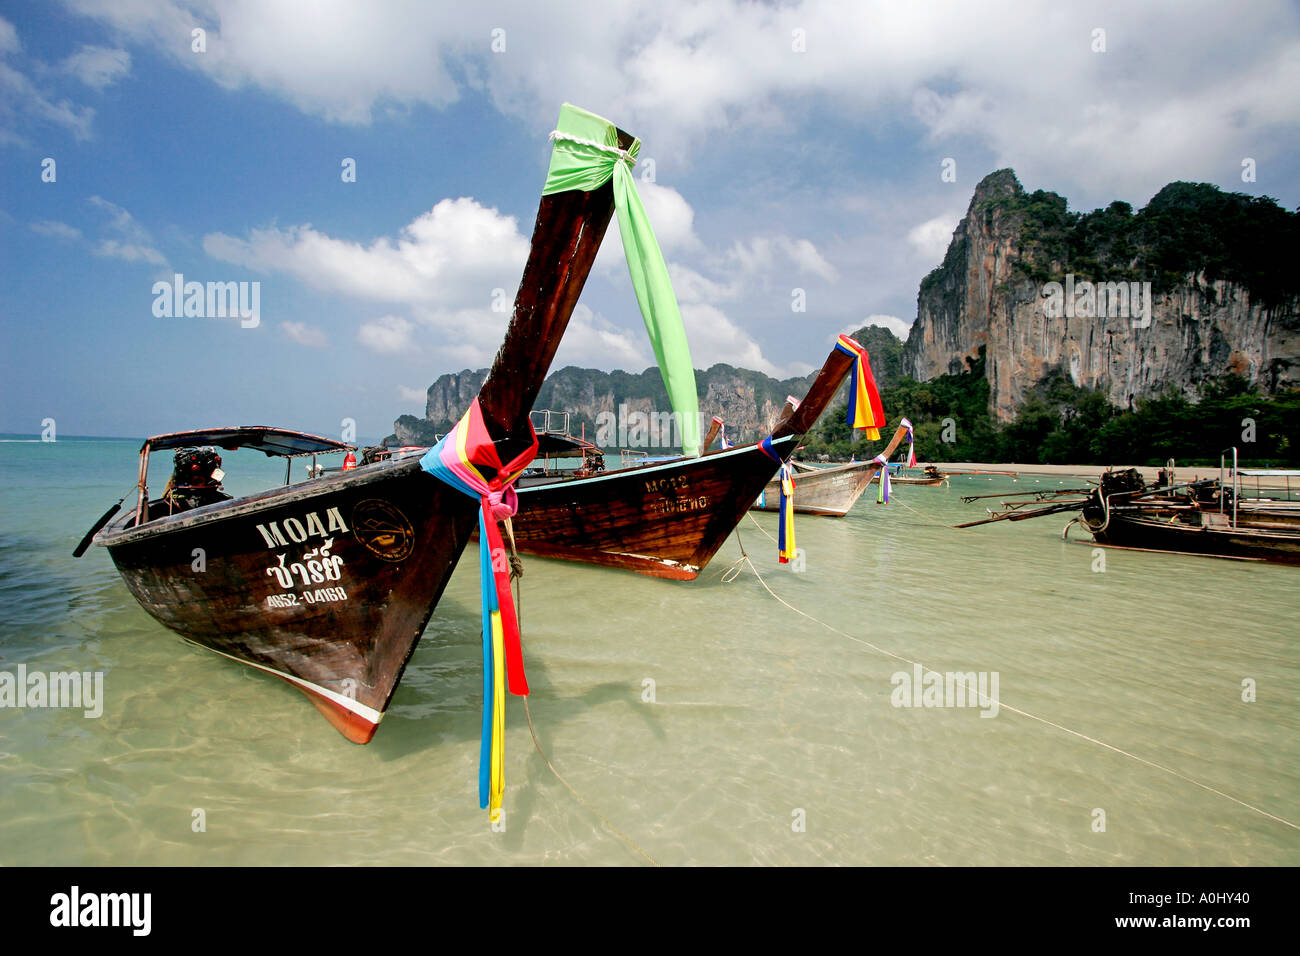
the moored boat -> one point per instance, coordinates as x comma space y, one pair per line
668, 519
1207, 516
929, 476
830, 492
329, 583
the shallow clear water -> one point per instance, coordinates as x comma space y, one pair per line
760, 717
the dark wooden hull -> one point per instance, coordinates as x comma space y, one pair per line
1253, 537
339, 624
830, 492
665, 520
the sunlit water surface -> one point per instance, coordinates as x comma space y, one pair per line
706, 721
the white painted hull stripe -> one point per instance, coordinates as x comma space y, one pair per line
360, 709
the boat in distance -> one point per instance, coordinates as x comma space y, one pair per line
830, 492
1208, 516
667, 519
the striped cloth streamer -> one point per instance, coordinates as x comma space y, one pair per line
785, 521
882, 498
911, 446
460, 459
865, 410
785, 528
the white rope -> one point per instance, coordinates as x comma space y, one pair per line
612, 150
1015, 710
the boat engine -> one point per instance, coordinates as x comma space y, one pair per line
196, 478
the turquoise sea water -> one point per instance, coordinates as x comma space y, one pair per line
770, 739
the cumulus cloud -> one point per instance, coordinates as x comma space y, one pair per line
459, 251
592, 341
892, 322
388, 335
1180, 84
97, 66
304, 334
408, 394
931, 238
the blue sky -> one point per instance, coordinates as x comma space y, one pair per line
795, 146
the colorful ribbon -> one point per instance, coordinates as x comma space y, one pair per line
911, 447
865, 410
882, 497
461, 459
785, 528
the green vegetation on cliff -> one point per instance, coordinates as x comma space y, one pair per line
1186, 228
1061, 423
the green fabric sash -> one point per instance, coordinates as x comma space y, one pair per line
585, 157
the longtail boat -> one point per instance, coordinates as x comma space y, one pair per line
668, 518
1207, 516
328, 583
829, 491
930, 476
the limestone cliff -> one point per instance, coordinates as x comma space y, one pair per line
1222, 298
747, 401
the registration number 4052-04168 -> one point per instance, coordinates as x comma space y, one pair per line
307, 597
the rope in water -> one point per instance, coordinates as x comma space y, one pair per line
745, 560
517, 572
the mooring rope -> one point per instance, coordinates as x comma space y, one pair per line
745, 559
516, 573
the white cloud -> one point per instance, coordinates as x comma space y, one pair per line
408, 394
760, 256
56, 230
387, 335
133, 242
22, 101
1183, 84
304, 334
931, 238
592, 341
715, 338
97, 66
892, 322
128, 252
458, 252
8, 37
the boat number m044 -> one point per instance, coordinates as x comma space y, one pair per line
297, 531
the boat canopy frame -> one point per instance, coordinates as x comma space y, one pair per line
272, 442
